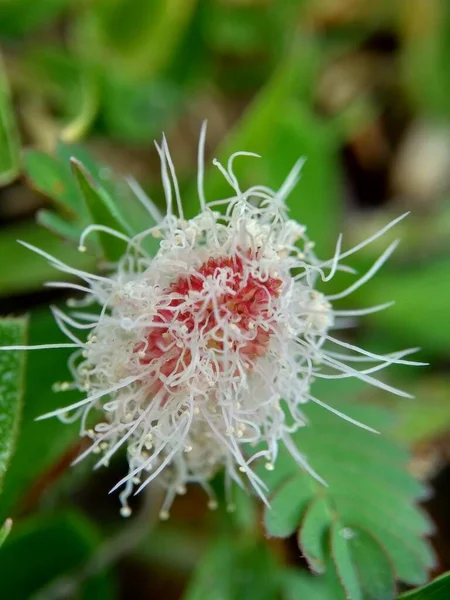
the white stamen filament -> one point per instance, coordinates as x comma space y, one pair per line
210, 346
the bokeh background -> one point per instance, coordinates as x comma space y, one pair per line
362, 89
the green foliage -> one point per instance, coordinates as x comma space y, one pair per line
102, 211
12, 363
143, 37
9, 137
25, 271
52, 176
374, 568
285, 77
52, 548
413, 423
412, 292
366, 516
425, 56
83, 193
23, 473
298, 585
19, 17
439, 589
282, 130
235, 568
48, 175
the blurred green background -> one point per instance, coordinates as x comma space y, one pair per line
362, 89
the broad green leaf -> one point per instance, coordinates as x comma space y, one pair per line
374, 493
12, 366
26, 271
428, 415
52, 548
44, 368
235, 568
413, 290
9, 137
252, 133
102, 210
315, 200
439, 589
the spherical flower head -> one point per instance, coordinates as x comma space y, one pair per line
200, 357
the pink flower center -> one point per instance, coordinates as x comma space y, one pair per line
232, 317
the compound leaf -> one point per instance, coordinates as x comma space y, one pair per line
368, 512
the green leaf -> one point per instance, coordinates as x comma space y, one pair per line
315, 200
9, 137
23, 474
52, 179
374, 493
412, 291
311, 535
375, 571
245, 515
298, 585
52, 548
439, 589
235, 568
342, 558
287, 506
425, 418
111, 202
59, 226
129, 209
25, 271
102, 210
12, 364
117, 205
282, 129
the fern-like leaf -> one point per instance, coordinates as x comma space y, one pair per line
366, 518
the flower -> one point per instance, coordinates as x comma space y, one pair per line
202, 356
